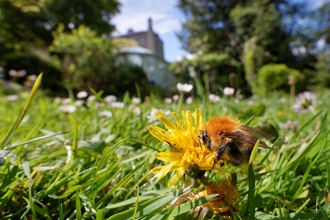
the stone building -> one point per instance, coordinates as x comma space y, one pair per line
149, 55
147, 39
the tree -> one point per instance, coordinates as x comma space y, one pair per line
26, 28
83, 57
208, 28
252, 32
30, 22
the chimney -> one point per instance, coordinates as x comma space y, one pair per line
150, 24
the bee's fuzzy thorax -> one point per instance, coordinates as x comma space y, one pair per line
223, 124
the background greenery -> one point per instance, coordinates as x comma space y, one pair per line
71, 43
92, 159
83, 165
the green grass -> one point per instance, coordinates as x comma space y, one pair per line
108, 173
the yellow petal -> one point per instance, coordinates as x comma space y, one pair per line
164, 170
158, 133
178, 124
177, 176
167, 123
198, 120
169, 156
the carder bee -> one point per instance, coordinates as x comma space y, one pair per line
232, 141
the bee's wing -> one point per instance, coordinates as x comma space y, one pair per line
260, 134
249, 137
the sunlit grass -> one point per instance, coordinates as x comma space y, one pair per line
88, 165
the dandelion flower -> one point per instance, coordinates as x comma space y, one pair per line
219, 205
187, 149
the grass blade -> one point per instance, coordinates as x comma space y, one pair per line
22, 113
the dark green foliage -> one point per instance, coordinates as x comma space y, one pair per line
93, 14
124, 78
29, 28
33, 64
251, 33
217, 68
275, 77
30, 23
208, 28
322, 77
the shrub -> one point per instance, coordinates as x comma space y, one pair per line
275, 77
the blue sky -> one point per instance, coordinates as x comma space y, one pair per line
166, 18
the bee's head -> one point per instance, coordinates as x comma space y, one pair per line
205, 138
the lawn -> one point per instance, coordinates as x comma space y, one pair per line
98, 159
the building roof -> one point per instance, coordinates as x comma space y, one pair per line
132, 33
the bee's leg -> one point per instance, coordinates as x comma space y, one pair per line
223, 149
199, 141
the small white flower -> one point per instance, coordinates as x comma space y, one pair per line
184, 87
82, 94
91, 98
214, 98
110, 98
304, 102
31, 78
168, 100
176, 97
67, 108
12, 73
134, 109
106, 114
11, 97
117, 104
21, 73
156, 112
136, 100
228, 91
79, 102
189, 100
99, 104
66, 101
290, 125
